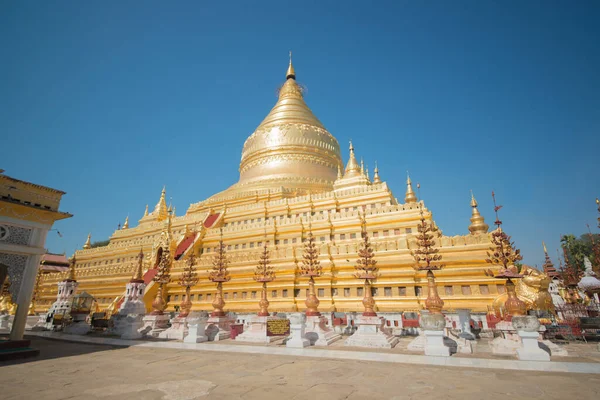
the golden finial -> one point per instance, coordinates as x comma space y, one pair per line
161, 207
352, 169
71, 277
88, 243
544, 246
362, 166
126, 223
339, 175
138, 273
290, 71
146, 211
376, 178
478, 224
410, 197
367, 173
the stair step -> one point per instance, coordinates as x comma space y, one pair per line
13, 344
16, 354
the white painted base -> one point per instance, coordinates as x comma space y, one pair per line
78, 328
371, 333
434, 344
418, 343
318, 333
4, 321
131, 327
531, 351
155, 324
196, 330
178, 329
218, 328
504, 347
556, 350
257, 331
297, 338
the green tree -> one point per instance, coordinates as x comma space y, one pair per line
576, 250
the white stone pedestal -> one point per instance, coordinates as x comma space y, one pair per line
464, 319
131, 327
178, 329
530, 351
4, 321
257, 331
371, 333
78, 328
318, 333
156, 324
196, 330
297, 337
218, 328
434, 344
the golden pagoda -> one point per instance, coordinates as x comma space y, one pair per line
291, 172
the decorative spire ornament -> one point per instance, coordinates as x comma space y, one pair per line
366, 267
290, 73
188, 279
71, 277
160, 211
264, 273
570, 276
352, 168
219, 274
427, 258
504, 254
146, 211
162, 278
126, 223
548, 267
339, 173
376, 178
410, 197
138, 273
88, 244
478, 224
311, 268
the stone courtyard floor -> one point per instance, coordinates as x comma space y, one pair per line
66, 370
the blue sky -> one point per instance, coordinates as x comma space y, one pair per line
109, 101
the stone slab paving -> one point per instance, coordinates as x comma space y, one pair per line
67, 370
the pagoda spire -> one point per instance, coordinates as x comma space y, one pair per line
146, 211
339, 174
362, 166
376, 178
410, 197
367, 174
478, 224
160, 210
290, 73
548, 265
352, 168
139, 273
71, 276
126, 223
88, 244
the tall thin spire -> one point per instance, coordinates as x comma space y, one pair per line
352, 168
146, 211
126, 223
339, 174
478, 224
160, 211
410, 197
88, 244
548, 265
367, 174
376, 178
290, 71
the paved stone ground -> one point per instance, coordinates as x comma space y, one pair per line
85, 371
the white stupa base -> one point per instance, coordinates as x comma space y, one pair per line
257, 331
218, 328
178, 329
434, 344
318, 333
297, 338
196, 330
504, 347
131, 327
530, 350
5, 321
155, 324
370, 333
78, 328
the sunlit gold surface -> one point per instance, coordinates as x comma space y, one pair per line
478, 224
289, 171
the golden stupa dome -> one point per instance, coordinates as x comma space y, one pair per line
290, 147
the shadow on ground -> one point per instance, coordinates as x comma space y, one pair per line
51, 349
